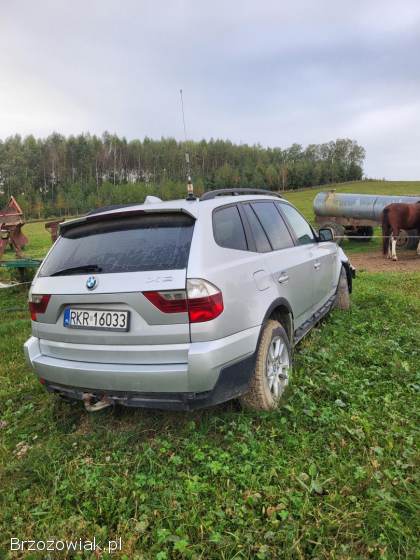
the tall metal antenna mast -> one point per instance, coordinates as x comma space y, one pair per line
190, 186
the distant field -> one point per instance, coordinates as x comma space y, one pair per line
40, 240
304, 199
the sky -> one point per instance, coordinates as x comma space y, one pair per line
273, 72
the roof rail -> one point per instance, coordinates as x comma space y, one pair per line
209, 195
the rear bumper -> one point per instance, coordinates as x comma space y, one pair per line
211, 372
232, 382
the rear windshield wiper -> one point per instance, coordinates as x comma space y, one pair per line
76, 269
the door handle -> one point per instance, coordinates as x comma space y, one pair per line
283, 278
317, 265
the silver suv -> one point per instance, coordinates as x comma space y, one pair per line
182, 304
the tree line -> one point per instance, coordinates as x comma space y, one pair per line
61, 175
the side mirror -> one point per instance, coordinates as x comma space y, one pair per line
325, 234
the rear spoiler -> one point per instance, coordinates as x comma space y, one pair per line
102, 216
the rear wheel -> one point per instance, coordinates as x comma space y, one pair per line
272, 369
342, 298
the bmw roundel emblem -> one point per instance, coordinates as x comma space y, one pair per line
91, 283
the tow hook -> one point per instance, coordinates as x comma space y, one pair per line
92, 404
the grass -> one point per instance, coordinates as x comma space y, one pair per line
353, 246
330, 475
39, 240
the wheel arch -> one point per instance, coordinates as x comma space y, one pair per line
343, 261
280, 310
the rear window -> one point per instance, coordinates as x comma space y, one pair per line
228, 229
149, 242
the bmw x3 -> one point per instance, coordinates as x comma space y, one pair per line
182, 304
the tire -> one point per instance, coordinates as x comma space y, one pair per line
342, 298
365, 231
265, 391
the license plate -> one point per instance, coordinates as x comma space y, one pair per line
96, 319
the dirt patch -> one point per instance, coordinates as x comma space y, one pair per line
84, 426
408, 261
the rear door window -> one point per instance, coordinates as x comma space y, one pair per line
273, 225
228, 229
261, 240
147, 242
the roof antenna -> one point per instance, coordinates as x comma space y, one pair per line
190, 186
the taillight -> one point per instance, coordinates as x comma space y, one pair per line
202, 300
38, 304
205, 301
174, 301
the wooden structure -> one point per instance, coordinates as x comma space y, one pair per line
11, 223
52, 227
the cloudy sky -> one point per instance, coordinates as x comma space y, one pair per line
268, 71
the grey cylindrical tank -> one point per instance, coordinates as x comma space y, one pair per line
358, 206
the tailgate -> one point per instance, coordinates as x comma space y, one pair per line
125, 259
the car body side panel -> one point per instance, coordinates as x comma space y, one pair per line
232, 271
292, 274
324, 272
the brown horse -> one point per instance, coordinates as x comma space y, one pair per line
395, 217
